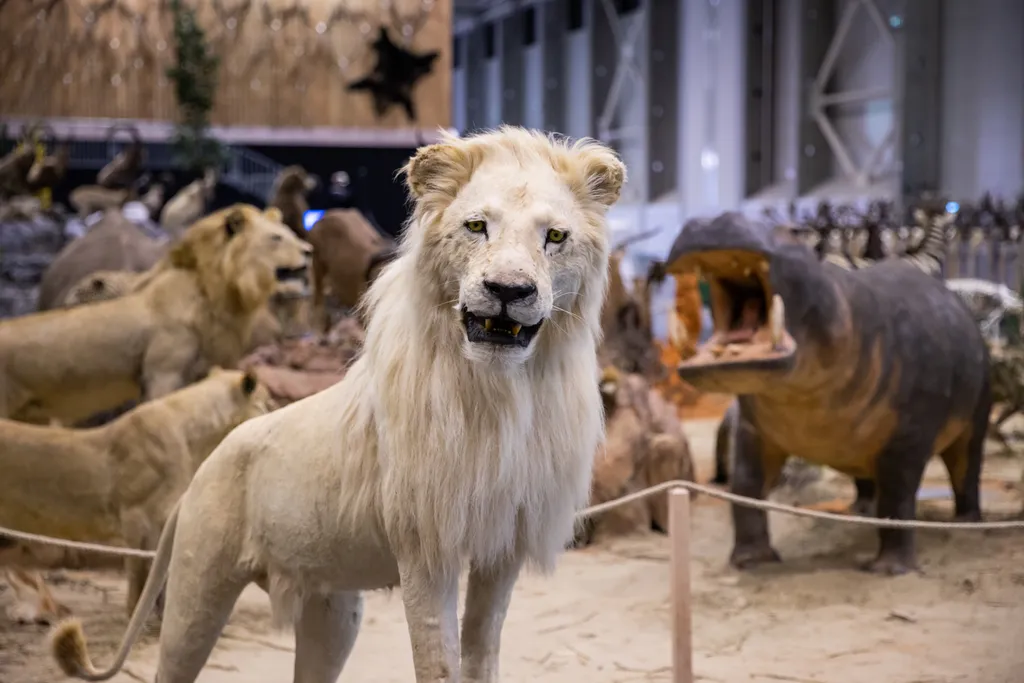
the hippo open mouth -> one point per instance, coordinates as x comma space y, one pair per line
749, 318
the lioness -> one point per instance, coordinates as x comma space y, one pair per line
120, 481
196, 311
465, 431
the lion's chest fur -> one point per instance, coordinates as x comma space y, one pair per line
483, 461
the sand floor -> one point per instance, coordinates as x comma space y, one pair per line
604, 616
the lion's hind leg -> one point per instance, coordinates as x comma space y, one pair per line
203, 583
325, 633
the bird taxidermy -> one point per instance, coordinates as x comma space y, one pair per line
394, 75
126, 165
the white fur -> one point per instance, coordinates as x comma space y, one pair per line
431, 451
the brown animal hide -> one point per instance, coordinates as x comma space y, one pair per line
115, 243
296, 368
346, 247
645, 446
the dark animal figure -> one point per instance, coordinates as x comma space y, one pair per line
50, 170
14, 168
289, 194
125, 167
868, 371
114, 243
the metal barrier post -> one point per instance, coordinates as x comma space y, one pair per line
679, 571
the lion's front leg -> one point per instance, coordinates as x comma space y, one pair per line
487, 600
431, 610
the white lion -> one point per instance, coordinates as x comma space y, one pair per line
465, 431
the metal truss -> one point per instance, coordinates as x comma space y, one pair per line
629, 68
820, 100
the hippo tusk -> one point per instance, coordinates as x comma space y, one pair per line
777, 322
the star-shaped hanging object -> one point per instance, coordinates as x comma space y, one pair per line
394, 75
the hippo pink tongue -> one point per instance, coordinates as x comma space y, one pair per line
741, 335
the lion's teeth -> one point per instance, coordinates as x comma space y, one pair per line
777, 321
488, 323
516, 328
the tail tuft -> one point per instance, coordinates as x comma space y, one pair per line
67, 643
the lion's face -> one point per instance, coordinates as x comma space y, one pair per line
515, 243
248, 251
289, 256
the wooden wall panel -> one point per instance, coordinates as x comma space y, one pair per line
283, 63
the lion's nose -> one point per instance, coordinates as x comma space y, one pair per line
508, 294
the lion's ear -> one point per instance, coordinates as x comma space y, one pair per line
234, 222
274, 214
249, 383
442, 167
601, 173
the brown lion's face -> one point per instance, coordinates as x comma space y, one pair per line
247, 254
280, 249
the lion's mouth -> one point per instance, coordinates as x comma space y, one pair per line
291, 274
499, 329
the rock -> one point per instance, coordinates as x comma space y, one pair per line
296, 368
27, 247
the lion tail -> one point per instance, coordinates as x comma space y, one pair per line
67, 643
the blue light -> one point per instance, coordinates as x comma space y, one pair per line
895, 21
952, 207
310, 218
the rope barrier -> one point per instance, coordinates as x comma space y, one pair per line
594, 510
791, 510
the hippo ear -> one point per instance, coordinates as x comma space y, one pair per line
249, 383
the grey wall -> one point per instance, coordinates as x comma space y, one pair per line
982, 95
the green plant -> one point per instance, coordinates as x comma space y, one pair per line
195, 85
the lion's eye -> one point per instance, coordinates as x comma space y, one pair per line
476, 226
557, 236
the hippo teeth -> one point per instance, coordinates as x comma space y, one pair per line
777, 321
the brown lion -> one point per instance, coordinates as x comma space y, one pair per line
117, 484
197, 311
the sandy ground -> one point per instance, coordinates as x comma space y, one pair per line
604, 616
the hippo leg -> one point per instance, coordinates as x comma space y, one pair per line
756, 469
866, 494
723, 444
963, 460
900, 468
